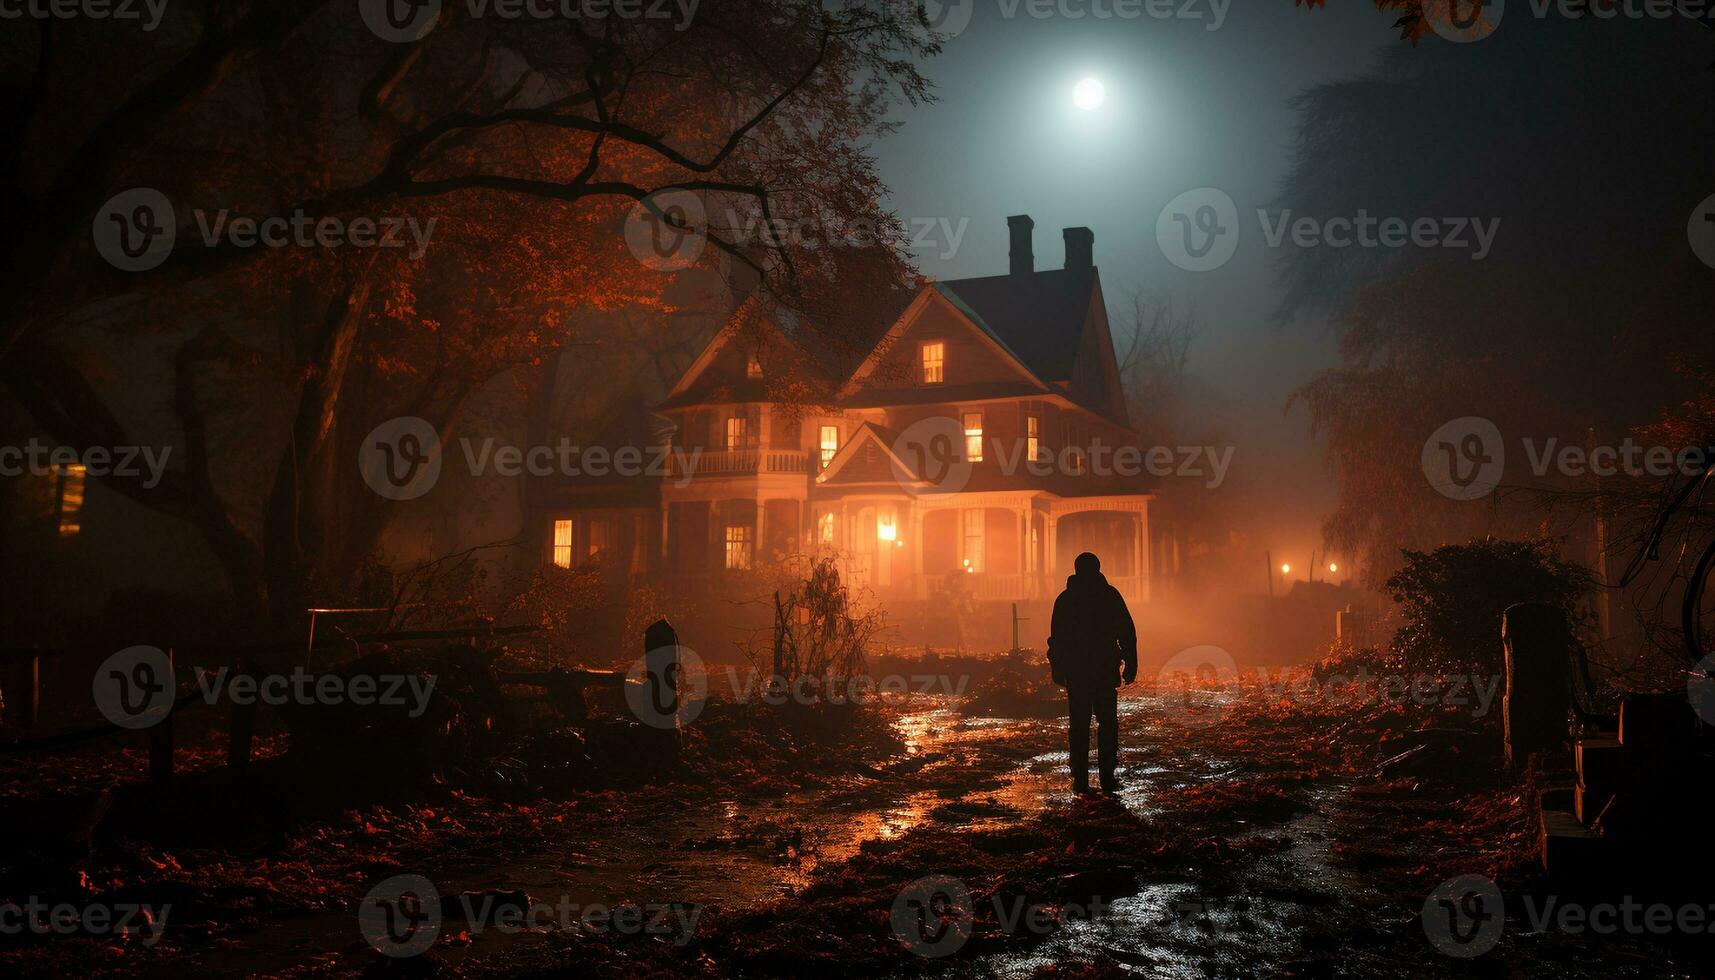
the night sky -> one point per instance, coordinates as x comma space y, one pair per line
1186, 107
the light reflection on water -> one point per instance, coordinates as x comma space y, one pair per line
942, 748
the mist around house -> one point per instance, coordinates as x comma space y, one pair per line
863, 488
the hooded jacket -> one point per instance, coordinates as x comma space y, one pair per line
1092, 634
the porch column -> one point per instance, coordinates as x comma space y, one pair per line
919, 525
1023, 555
716, 536
1051, 557
761, 514
1142, 546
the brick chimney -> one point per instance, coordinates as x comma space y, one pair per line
1080, 248
1023, 259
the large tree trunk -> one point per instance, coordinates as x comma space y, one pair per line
298, 520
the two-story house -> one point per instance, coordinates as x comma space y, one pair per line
980, 438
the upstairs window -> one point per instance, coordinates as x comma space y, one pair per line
1033, 437
934, 363
829, 444
563, 544
753, 365
735, 432
974, 437
738, 540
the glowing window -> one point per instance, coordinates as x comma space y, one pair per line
70, 499
974, 436
735, 433
830, 443
1033, 437
825, 529
934, 363
563, 544
753, 365
738, 541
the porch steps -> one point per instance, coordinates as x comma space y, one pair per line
1567, 847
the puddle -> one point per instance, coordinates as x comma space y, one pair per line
980, 773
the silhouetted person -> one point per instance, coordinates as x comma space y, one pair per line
1091, 643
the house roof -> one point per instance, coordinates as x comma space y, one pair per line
856, 456
821, 351
1029, 315
1037, 321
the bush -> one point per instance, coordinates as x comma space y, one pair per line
1453, 597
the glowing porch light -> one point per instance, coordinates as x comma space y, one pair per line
1333, 566
1286, 569
887, 531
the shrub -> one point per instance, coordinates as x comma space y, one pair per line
1452, 599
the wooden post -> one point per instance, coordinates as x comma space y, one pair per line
1537, 645
161, 735
661, 666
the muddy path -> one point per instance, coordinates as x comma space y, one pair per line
1243, 843
731, 855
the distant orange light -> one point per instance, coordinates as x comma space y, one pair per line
1333, 566
1286, 569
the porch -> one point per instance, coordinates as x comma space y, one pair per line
1005, 546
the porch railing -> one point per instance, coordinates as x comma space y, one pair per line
740, 462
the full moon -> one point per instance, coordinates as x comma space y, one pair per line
1089, 93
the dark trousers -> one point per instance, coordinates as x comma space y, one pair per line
1103, 702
